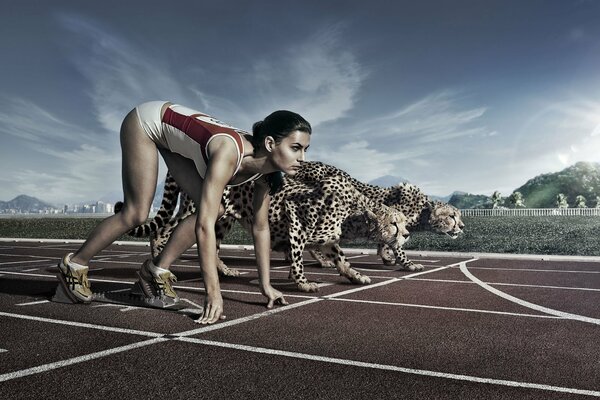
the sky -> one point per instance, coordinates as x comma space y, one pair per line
472, 96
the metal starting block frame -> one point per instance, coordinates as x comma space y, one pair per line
131, 298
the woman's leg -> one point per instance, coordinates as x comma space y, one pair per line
184, 236
139, 174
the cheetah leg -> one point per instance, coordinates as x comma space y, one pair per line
334, 252
388, 256
323, 261
298, 239
405, 263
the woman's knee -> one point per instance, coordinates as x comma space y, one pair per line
133, 215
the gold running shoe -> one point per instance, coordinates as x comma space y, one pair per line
73, 278
156, 281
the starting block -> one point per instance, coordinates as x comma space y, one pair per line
131, 298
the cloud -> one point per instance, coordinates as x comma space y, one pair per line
364, 162
70, 161
413, 142
31, 123
320, 78
119, 73
437, 117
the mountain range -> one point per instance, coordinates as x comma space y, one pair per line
23, 202
582, 178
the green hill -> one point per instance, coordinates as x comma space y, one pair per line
468, 200
582, 178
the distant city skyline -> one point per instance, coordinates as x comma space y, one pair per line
471, 96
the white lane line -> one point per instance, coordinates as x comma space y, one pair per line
31, 303
121, 307
537, 270
387, 367
192, 303
25, 262
374, 285
81, 324
189, 288
221, 325
23, 255
3, 351
473, 310
507, 284
76, 360
226, 324
463, 268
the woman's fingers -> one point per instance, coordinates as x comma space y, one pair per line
211, 314
277, 300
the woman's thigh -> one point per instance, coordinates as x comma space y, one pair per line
140, 164
185, 174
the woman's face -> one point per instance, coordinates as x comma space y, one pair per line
289, 152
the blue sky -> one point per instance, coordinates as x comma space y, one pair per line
473, 96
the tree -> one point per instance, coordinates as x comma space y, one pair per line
580, 202
516, 200
496, 199
561, 201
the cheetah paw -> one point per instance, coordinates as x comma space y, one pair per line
413, 267
309, 287
224, 270
360, 279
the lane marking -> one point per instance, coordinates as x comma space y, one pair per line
3, 351
468, 274
192, 303
221, 325
121, 307
506, 284
25, 262
397, 279
76, 360
385, 303
387, 367
33, 303
189, 288
81, 324
226, 324
536, 270
23, 255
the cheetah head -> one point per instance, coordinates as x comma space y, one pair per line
390, 225
446, 219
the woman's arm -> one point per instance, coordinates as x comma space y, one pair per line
222, 164
262, 241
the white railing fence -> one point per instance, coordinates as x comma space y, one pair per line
530, 212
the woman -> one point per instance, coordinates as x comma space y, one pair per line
204, 155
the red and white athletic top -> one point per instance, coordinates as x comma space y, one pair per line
189, 132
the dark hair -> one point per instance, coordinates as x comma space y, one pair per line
278, 125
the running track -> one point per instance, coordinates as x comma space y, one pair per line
467, 327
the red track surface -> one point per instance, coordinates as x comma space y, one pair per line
433, 335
